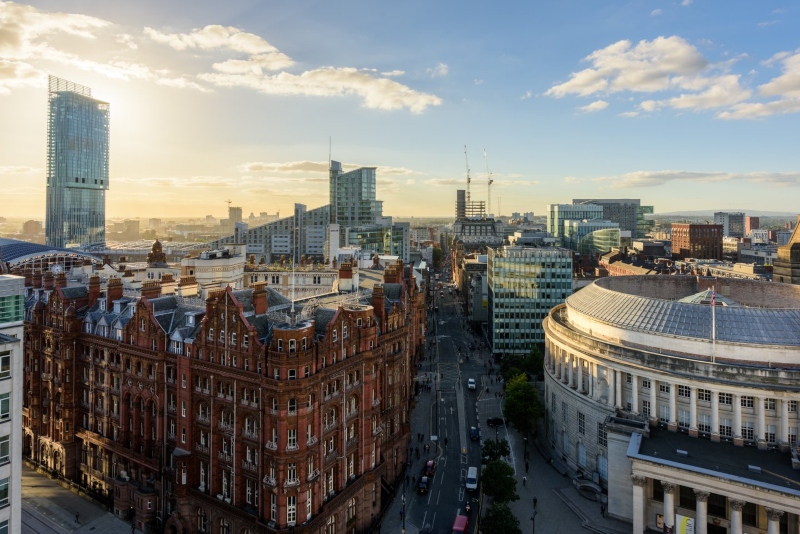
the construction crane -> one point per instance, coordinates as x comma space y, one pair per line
466, 161
489, 184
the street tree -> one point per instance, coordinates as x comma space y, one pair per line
494, 450
521, 404
531, 364
437, 258
500, 519
499, 483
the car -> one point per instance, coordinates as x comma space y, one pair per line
429, 469
495, 421
471, 383
473, 434
423, 485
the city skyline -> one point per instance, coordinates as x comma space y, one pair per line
681, 104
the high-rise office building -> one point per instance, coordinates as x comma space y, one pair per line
732, 223
12, 313
628, 212
699, 241
352, 194
558, 213
77, 165
524, 283
750, 224
591, 236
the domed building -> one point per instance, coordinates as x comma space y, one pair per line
677, 396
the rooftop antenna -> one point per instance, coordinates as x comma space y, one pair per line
490, 181
466, 161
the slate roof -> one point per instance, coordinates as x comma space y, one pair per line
738, 324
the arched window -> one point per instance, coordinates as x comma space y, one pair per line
351, 510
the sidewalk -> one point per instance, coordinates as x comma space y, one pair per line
47, 506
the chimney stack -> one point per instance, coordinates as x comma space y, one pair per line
48, 281
379, 303
114, 291
260, 297
61, 279
37, 279
94, 289
151, 289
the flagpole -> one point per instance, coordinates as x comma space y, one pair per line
713, 325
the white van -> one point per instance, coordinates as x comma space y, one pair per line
472, 478
471, 383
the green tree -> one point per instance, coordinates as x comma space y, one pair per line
437, 258
499, 483
536, 361
494, 450
514, 364
521, 404
499, 519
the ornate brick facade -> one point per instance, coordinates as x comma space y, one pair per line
247, 415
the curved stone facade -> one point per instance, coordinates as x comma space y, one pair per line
649, 349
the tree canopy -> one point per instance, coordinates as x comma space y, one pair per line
437, 257
514, 364
494, 450
499, 483
521, 404
499, 518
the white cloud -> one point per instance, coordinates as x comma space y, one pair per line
768, 23
686, 2
295, 167
8, 170
438, 71
628, 114
127, 40
658, 178
785, 88
656, 12
597, 105
393, 73
572, 180
526, 95
477, 81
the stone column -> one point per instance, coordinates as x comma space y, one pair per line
701, 512
693, 411
635, 393
592, 369
639, 503
669, 503
618, 389
736, 516
579, 370
654, 403
761, 437
774, 520
715, 416
737, 420
673, 407
611, 386
562, 374
784, 437
570, 373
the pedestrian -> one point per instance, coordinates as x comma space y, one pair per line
133, 529
603, 510
77, 516
534, 503
524, 481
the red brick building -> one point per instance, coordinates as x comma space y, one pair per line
700, 241
247, 414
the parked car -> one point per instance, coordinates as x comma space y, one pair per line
429, 469
495, 421
471, 383
473, 434
423, 485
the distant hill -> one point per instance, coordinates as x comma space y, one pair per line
710, 213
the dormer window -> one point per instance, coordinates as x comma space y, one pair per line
102, 305
190, 320
344, 331
142, 324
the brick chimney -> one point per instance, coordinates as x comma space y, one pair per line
260, 297
28, 277
37, 279
151, 289
48, 281
211, 300
94, 289
61, 279
379, 303
114, 292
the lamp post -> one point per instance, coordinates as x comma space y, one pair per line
533, 520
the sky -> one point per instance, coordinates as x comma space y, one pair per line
685, 104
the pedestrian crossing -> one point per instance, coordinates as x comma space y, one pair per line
449, 376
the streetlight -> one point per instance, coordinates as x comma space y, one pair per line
533, 518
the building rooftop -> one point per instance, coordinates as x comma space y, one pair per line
725, 460
625, 302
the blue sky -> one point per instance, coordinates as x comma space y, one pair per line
684, 104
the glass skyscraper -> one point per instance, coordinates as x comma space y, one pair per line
524, 283
77, 165
353, 196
